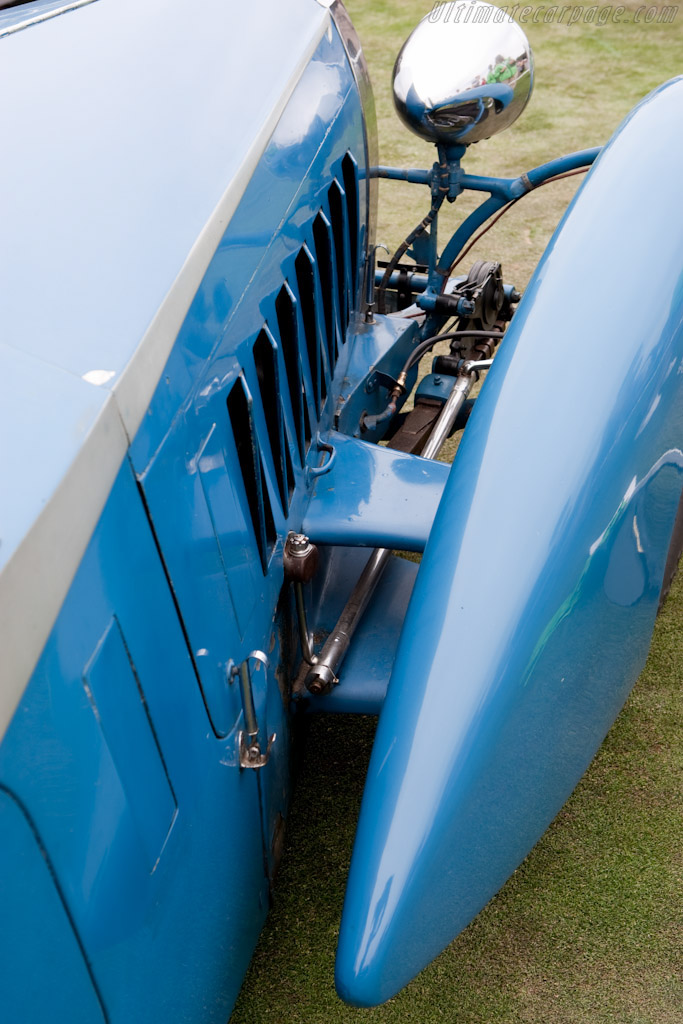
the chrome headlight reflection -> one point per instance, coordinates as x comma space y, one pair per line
465, 73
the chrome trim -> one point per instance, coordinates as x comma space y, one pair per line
31, 595
44, 16
354, 52
461, 81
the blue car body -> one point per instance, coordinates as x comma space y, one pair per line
186, 221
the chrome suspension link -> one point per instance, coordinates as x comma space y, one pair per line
324, 674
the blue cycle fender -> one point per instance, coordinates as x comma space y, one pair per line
533, 608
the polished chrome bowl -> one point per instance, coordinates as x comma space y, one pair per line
464, 74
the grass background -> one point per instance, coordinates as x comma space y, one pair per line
590, 927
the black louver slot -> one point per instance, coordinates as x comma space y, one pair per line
265, 362
323, 256
350, 181
338, 219
285, 311
240, 412
312, 312
305, 279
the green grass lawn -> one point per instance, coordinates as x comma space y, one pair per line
590, 927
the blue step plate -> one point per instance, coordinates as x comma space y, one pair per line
532, 612
374, 496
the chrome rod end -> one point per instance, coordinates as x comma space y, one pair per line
321, 680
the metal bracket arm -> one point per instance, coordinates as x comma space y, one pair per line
250, 753
374, 497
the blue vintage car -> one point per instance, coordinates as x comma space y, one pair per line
199, 356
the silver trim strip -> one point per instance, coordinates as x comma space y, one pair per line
354, 52
45, 16
36, 580
37, 577
135, 387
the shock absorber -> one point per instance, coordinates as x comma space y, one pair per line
300, 562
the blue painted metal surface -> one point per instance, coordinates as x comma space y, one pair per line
73, 407
382, 346
233, 302
493, 716
226, 581
436, 386
136, 856
124, 747
136, 803
36, 930
374, 496
93, 253
502, 192
367, 667
506, 188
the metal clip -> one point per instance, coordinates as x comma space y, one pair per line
250, 753
322, 446
380, 379
370, 264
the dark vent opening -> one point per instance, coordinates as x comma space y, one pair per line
308, 433
338, 233
289, 472
286, 322
266, 372
268, 521
258, 502
323, 389
323, 255
350, 178
306, 287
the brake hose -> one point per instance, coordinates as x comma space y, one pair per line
370, 422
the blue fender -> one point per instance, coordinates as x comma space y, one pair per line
533, 608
